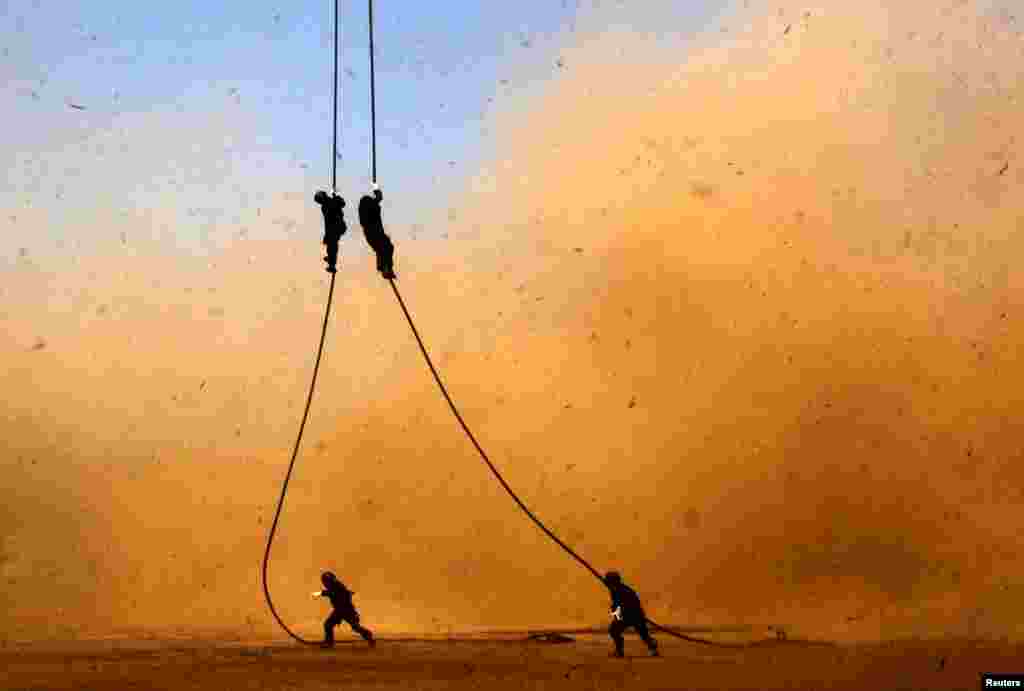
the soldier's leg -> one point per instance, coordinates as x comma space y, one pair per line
645, 635
388, 250
353, 621
383, 248
332, 255
333, 620
615, 631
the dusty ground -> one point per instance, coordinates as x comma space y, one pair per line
499, 664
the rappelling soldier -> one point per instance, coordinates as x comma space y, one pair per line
334, 225
373, 229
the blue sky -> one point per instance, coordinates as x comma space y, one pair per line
441, 67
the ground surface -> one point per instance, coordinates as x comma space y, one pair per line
494, 663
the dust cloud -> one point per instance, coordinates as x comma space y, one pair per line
734, 315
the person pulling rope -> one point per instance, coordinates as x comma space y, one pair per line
627, 612
342, 609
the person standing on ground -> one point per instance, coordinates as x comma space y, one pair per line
344, 610
626, 612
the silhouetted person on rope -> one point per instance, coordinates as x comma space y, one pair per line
334, 225
344, 610
626, 612
373, 229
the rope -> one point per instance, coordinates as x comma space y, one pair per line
444, 391
334, 124
373, 105
316, 367
291, 464
426, 356
483, 455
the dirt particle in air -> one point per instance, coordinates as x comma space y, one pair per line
701, 190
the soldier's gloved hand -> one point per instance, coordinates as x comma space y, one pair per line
617, 613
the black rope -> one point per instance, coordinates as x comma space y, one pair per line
373, 106
334, 124
483, 454
291, 464
451, 404
430, 364
479, 449
316, 367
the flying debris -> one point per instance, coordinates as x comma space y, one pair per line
788, 27
75, 106
1006, 167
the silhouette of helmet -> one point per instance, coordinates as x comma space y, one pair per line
328, 577
612, 578
320, 197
